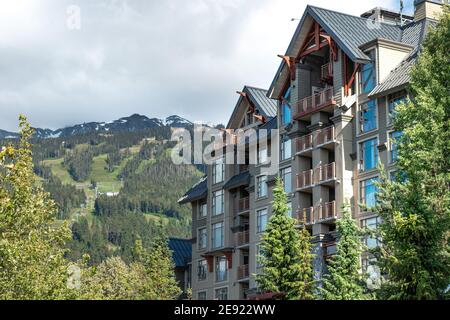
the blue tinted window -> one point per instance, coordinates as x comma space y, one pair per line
286, 108
369, 154
368, 116
368, 74
368, 192
395, 136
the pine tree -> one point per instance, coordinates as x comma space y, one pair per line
286, 256
415, 206
343, 281
32, 264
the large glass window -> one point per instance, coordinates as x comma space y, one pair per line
202, 238
393, 143
368, 77
286, 149
222, 294
202, 270
217, 235
393, 102
368, 193
261, 220
286, 176
286, 110
290, 211
371, 224
262, 155
221, 269
201, 295
217, 203
368, 154
368, 116
202, 210
261, 186
218, 171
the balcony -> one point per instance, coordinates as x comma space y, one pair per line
326, 174
329, 249
305, 180
242, 238
243, 205
304, 144
314, 103
326, 72
328, 211
243, 272
306, 215
326, 137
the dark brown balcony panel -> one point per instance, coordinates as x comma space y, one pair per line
243, 205
328, 211
304, 144
243, 272
329, 249
326, 174
306, 215
326, 137
317, 102
305, 180
242, 238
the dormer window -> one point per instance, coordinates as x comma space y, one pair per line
368, 75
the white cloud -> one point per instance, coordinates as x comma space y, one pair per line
152, 57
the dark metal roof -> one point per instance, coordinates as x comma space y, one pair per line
197, 192
181, 251
238, 180
267, 107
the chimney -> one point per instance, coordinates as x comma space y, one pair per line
430, 9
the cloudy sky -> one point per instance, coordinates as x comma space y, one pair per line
157, 58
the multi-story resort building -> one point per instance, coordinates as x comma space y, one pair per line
332, 99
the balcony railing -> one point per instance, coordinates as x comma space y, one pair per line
326, 135
328, 211
243, 272
326, 172
306, 215
304, 143
242, 238
313, 103
305, 179
327, 71
244, 204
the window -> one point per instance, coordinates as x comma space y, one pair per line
202, 238
262, 155
371, 224
392, 105
368, 76
368, 116
249, 118
286, 108
261, 220
398, 176
286, 149
258, 256
261, 185
217, 235
290, 212
368, 155
201, 295
202, 270
222, 294
393, 144
202, 210
221, 269
368, 192
286, 176
218, 171
217, 203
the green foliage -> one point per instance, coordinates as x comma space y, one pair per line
343, 281
415, 210
32, 264
79, 164
285, 254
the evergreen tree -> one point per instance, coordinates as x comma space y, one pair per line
343, 281
285, 254
32, 264
415, 206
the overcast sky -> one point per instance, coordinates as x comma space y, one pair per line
157, 58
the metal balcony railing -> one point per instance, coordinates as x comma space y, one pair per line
304, 143
305, 179
325, 136
328, 211
313, 103
244, 204
243, 272
242, 238
326, 172
306, 215
326, 71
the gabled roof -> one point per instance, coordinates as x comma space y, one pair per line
181, 251
197, 192
267, 107
238, 180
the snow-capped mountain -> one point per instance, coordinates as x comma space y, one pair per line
133, 123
